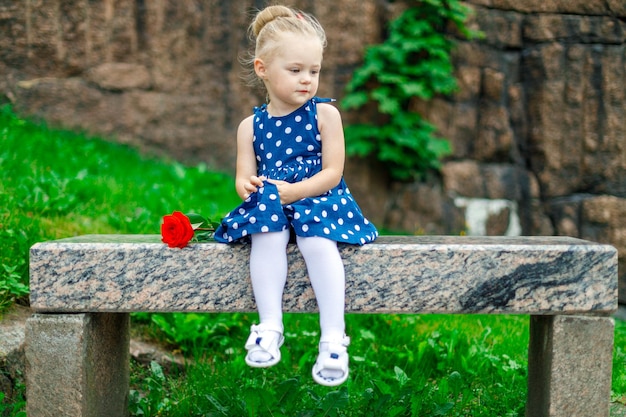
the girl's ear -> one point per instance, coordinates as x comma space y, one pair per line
259, 68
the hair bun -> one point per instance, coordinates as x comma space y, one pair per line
267, 15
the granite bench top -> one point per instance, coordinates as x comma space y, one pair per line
396, 274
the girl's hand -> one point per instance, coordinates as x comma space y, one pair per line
286, 191
253, 185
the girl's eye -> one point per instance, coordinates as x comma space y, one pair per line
295, 70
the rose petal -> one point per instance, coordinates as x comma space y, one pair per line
176, 230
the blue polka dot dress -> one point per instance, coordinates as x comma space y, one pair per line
289, 148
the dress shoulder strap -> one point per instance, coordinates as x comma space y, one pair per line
317, 99
259, 109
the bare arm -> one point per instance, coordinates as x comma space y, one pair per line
333, 158
246, 180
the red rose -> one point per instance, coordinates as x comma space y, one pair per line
176, 230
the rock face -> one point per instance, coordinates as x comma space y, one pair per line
537, 125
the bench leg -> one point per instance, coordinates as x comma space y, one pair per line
77, 365
569, 366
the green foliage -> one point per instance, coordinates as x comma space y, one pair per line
11, 286
15, 406
204, 228
412, 63
193, 333
618, 386
400, 366
155, 401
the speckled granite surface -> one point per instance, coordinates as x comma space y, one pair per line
425, 274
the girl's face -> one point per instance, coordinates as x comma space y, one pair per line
291, 75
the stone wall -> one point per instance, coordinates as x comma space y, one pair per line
537, 125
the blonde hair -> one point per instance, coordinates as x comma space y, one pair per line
273, 22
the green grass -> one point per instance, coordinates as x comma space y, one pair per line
57, 184
419, 365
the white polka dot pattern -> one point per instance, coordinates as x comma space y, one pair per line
289, 148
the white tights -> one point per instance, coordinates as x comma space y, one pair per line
268, 271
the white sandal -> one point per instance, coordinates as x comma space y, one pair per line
331, 367
264, 339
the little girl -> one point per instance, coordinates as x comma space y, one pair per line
290, 160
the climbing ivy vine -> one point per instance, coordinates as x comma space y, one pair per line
412, 63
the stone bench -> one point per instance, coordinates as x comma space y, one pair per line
83, 288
